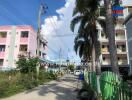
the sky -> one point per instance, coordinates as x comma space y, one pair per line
56, 21
25, 12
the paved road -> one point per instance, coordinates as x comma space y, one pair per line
62, 89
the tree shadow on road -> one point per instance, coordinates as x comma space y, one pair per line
61, 89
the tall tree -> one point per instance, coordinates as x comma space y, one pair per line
88, 13
110, 30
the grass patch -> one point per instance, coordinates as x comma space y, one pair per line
14, 82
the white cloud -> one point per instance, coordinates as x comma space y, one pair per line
127, 2
59, 25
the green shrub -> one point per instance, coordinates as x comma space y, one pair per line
12, 82
27, 82
9, 87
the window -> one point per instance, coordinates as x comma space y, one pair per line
116, 34
23, 47
118, 58
3, 34
124, 48
108, 46
130, 10
103, 58
1, 62
39, 53
103, 46
24, 34
102, 35
2, 48
102, 11
117, 46
43, 54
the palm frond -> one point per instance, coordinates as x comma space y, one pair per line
74, 21
81, 50
75, 11
102, 23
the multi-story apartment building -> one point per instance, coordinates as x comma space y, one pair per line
128, 10
121, 44
16, 40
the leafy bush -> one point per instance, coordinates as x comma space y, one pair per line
27, 65
71, 67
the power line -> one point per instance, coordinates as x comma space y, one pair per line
63, 35
7, 11
24, 19
53, 23
55, 26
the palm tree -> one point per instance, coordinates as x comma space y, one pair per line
86, 48
83, 47
87, 11
110, 30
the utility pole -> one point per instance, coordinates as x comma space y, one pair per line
67, 57
60, 59
42, 10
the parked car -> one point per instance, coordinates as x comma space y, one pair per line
77, 72
71, 72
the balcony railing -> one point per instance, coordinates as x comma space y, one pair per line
2, 54
23, 53
120, 31
106, 62
120, 37
24, 40
119, 51
122, 62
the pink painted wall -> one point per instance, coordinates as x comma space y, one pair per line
33, 42
30, 41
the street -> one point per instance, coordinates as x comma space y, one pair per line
61, 89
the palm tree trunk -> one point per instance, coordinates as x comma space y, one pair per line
98, 67
93, 59
110, 29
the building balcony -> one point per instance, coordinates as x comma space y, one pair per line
104, 51
2, 40
2, 54
106, 62
118, 38
119, 42
24, 40
120, 20
121, 50
24, 53
122, 62
120, 53
120, 31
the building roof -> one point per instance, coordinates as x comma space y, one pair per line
9, 27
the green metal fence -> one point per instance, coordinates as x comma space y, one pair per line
111, 86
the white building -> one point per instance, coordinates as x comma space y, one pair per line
121, 44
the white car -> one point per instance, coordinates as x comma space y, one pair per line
77, 72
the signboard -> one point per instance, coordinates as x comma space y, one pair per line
117, 11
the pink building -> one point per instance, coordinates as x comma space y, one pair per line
15, 40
